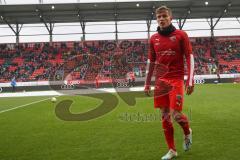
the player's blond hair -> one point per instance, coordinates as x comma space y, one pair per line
162, 9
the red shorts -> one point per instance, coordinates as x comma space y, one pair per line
169, 93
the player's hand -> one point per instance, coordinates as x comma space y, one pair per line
147, 90
189, 90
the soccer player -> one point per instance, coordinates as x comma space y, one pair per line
168, 49
131, 78
13, 84
97, 81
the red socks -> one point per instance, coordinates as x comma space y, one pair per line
167, 125
168, 131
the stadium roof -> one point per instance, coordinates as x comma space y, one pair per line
112, 11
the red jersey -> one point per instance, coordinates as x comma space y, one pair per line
168, 53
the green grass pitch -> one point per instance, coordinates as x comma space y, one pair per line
33, 132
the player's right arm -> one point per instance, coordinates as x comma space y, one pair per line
149, 68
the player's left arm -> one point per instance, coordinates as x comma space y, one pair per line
189, 86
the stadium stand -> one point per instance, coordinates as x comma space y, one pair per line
106, 59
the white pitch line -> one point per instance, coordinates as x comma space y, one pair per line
24, 105
30, 94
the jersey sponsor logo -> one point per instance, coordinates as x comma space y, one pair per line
167, 52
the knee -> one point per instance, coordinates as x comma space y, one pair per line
176, 115
166, 116
166, 121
